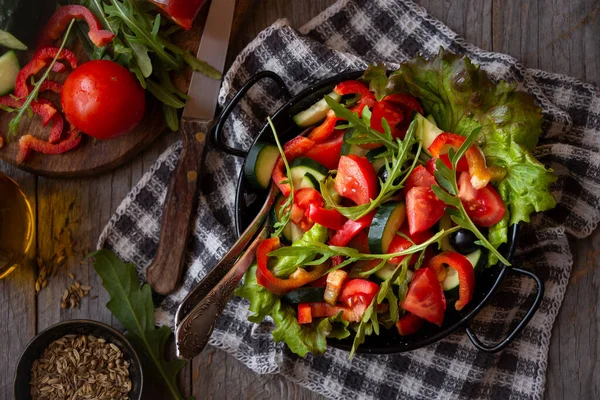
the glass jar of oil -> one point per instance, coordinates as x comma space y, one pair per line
16, 226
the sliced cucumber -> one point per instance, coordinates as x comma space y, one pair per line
348, 148
309, 181
11, 42
475, 258
9, 69
291, 232
305, 295
388, 269
445, 224
259, 164
426, 132
316, 113
377, 163
386, 222
304, 165
296, 232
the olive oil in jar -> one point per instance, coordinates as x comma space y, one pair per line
16, 226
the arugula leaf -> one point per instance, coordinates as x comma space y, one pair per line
285, 266
285, 212
301, 339
132, 306
368, 325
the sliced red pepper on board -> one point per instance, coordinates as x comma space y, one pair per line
350, 229
62, 17
480, 175
292, 149
51, 86
29, 142
409, 324
356, 179
182, 12
466, 274
328, 152
425, 297
42, 58
42, 107
58, 125
419, 177
331, 219
423, 209
463, 164
279, 286
484, 206
356, 87
304, 313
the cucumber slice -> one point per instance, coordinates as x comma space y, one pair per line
426, 132
259, 164
445, 224
9, 69
377, 163
305, 295
348, 148
290, 232
387, 221
11, 42
296, 232
475, 258
309, 181
316, 113
304, 165
388, 269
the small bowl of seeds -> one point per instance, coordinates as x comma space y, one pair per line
79, 359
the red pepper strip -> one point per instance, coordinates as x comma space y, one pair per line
466, 274
61, 19
322, 132
356, 87
29, 142
351, 229
51, 86
406, 101
41, 58
292, 149
480, 175
59, 67
331, 219
409, 324
43, 107
278, 286
304, 313
58, 124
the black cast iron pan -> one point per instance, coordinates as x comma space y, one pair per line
249, 201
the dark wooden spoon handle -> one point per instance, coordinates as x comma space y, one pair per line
165, 271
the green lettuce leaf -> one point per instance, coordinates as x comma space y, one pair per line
301, 339
461, 97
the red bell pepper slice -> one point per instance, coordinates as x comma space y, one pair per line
356, 87
302, 199
392, 114
480, 175
406, 101
466, 274
327, 153
279, 286
350, 229
419, 177
29, 142
425, 297
42, 58
292, 149
42, 107
463, 164
322, 132
423, 209
51, 86
484, 206
331, 219
409, 324
62, 17
356, 179
304, 313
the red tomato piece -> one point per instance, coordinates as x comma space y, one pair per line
463, 164
327, 153
406, 101
425, 297
358, 294
423, 209
484, 206
466, 274
304, 313
356, 179
409, 324
306, 196
419, 177
392, 114
400, 243
103, 99
292, 149
331, 219
350, 229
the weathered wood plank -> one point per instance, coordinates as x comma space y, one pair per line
17, 299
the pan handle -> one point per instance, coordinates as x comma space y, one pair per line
515, 332
218, 136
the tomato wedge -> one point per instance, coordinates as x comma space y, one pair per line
356, 179
292, 149
327, 153
408, 324
392, 114
484, 206
425, 297
331, 219
466, 274
400, 243
356, 87
350, 229
419, 177
423, 209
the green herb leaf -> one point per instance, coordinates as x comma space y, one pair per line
132, 306
286, 209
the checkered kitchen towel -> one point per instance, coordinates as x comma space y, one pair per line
348, 36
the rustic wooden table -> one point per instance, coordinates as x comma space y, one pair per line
555, 35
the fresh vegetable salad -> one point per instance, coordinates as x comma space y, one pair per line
404, 187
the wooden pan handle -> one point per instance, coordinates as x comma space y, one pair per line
165, 271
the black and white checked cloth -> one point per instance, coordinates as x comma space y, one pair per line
348, 36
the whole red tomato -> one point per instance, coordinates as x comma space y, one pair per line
103, 99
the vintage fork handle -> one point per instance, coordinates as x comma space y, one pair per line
194, 331
223, 266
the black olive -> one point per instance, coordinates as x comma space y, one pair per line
383, 174
463, 241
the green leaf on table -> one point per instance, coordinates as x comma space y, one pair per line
132, 305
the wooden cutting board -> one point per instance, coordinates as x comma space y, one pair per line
96, 156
